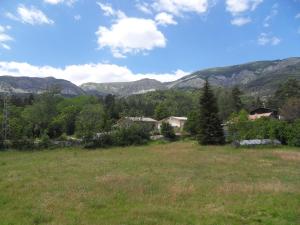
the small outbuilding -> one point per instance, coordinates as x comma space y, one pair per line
263, 112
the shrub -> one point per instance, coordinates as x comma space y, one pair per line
123, 136
63, 137
45, 141
22, 144
240, 128
102, 141
265, 128
293, 134
132, 135
191, 125
167, 131
55, 128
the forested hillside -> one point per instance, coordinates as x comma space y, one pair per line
260, 78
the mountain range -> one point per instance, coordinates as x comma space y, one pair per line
35, 85
255, 78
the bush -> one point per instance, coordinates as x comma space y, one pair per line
293, 134
102, 141
240, 128
265, 128
132, 135
22, 144
167, 131
191, 125
55, 128
45, 141
63, 137
123, 136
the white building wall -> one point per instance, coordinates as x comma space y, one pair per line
174, 122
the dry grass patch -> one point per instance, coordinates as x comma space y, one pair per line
226, 159
266, 163
113, 179
213, 208
181, 188
290, 156
252, 188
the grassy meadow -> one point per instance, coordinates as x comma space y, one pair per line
178, 183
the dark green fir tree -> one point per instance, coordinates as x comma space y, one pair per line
210, 129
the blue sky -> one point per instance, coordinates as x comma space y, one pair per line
122, 40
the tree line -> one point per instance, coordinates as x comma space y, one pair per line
50, 116
205, 123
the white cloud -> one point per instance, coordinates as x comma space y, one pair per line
2, 29
55, 2
297, 16
30, 15
5, 46
4, 37
84, 73
240, 21
144, 7
273, 13
77, 17
109, 11
11, 16
165, 19
236, 7
267, 39
177, 7
130, 35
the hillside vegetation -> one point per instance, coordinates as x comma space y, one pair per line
259, 78
178, 183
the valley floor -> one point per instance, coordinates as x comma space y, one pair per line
178, 183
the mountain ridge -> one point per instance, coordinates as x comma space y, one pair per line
255, 78
37, 85
125, 88
249, 76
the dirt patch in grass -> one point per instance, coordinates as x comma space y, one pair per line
259, 187
289, 156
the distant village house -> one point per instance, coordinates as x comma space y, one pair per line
174, 121
263, 112
149, 122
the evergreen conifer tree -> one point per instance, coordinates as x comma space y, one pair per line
210, 130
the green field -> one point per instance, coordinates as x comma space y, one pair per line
178, 183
